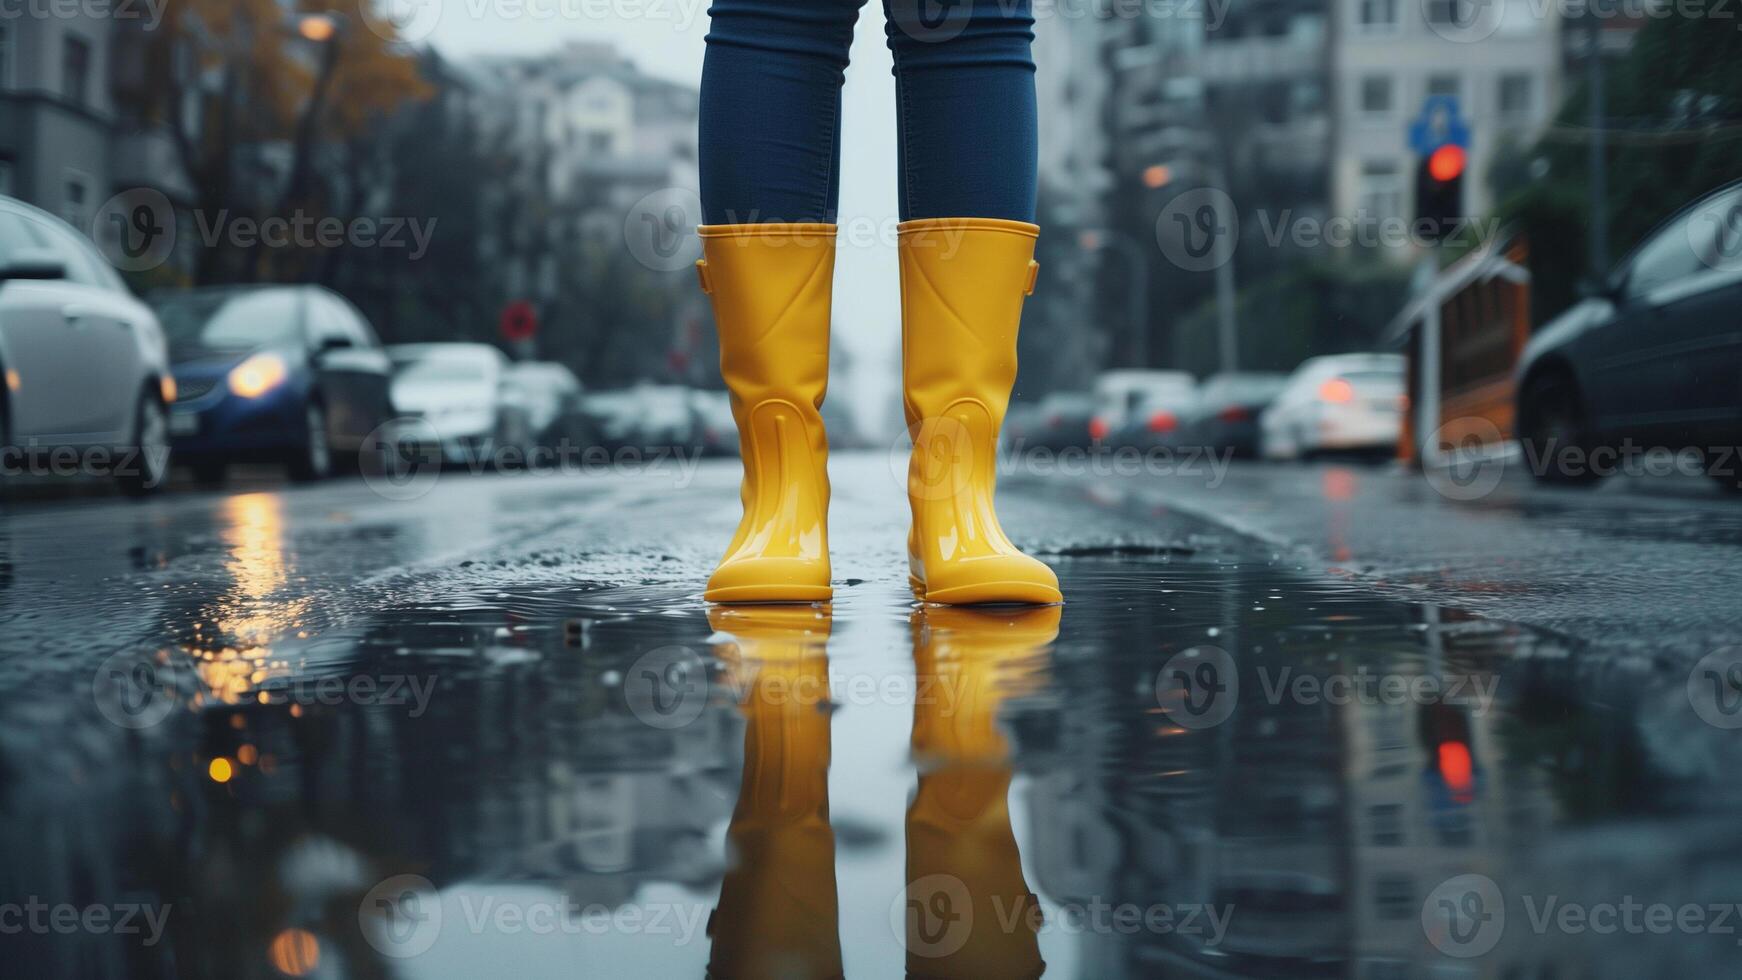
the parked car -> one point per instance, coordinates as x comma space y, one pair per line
1651, 354
1139, 408
463, 399
552, 395
84, 361
664, 417
289, 374
1065, 418
611, 416
716, 431
1225, 417
1337, 404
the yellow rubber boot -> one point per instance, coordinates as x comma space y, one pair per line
962, 285
770, 288
970, 913
778, 914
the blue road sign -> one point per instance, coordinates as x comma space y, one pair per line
1438, 125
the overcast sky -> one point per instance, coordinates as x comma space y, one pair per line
664, 37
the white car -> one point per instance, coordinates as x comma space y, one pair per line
1340, 403
552, 394
1125, 398
85, 362
463, 399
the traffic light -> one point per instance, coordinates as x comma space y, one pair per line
1439, 190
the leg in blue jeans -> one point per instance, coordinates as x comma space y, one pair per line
771, 108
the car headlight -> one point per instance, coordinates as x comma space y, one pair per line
258, 375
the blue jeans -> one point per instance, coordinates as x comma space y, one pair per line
770, 130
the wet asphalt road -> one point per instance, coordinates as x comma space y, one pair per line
1306, 721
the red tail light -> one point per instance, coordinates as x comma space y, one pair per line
1235, 413
1337, 390
1098, 428
1163, 421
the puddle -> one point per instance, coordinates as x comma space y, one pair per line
1196, 768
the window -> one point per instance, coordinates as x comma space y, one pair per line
1448, 13
1444, 85
76, 70
75, 199
83, 265
1380, 194
1394, 898
1377, 16
1376, 95
15, 237
1385, 824
5, 56
1515, 95
1666, 257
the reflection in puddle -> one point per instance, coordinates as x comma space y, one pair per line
601, 760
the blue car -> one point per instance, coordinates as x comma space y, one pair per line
285, 374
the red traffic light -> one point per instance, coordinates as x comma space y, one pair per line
1446, 163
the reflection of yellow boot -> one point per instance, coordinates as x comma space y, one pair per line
962, 284
770, 286
970, 913
778, 915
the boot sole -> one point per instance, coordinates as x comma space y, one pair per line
988, 593
770, 593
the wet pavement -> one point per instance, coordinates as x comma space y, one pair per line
493, 731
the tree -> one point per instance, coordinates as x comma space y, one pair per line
253, 97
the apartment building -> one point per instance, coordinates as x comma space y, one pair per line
56, 113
